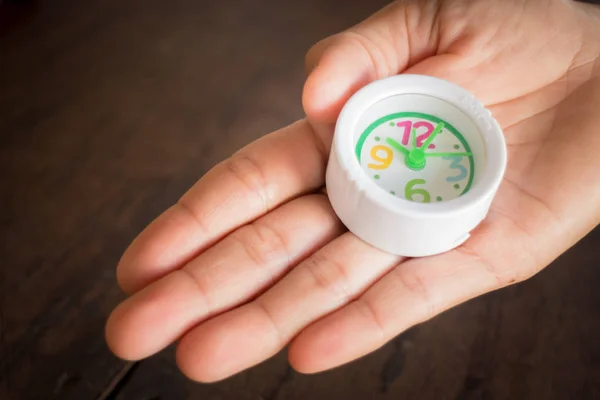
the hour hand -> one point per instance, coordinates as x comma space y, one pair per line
397, 146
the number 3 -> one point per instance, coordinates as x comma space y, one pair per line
456, 165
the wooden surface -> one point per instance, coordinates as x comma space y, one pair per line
110, 109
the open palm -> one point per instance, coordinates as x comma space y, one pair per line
253, 257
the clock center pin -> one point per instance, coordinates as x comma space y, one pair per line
415, 159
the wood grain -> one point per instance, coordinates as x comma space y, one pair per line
110, 110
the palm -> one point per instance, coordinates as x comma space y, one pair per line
550, 173
251, 258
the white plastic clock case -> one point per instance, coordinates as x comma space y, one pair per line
396, 225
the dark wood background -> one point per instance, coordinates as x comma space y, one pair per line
111, 109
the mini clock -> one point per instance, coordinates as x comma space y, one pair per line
414, 165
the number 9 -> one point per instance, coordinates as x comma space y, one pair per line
385, 162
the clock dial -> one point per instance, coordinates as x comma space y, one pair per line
417, 156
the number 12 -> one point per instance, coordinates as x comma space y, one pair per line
408, 125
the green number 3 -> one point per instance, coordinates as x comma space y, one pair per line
409, 192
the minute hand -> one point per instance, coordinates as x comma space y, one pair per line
467, 154
435, 132
397, 146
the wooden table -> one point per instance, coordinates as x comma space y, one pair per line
110, 109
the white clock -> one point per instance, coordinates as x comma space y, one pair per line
414, 165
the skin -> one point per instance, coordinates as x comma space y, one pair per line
252, 258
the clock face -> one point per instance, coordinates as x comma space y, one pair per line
418, 156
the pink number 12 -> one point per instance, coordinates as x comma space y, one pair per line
408, 125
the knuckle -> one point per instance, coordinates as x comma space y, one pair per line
249, 172
329, 275
186, 208
278, 333
373, 52
415, 286
200, 284
262, 243
370, 311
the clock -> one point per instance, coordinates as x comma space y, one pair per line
414, 165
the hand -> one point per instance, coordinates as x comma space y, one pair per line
395, 145
253, 258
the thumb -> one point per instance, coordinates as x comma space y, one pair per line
387, 43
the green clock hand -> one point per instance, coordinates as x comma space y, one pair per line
414, 138
397, 146
448, 154
435, 132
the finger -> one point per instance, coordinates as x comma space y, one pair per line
233, 271
248, 335
496, 65
315, 53
385, 44
268, 172
414, 292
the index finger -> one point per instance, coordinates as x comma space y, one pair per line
274, 169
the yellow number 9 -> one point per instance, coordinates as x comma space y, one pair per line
386, 161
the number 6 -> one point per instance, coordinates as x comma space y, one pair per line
409, 192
